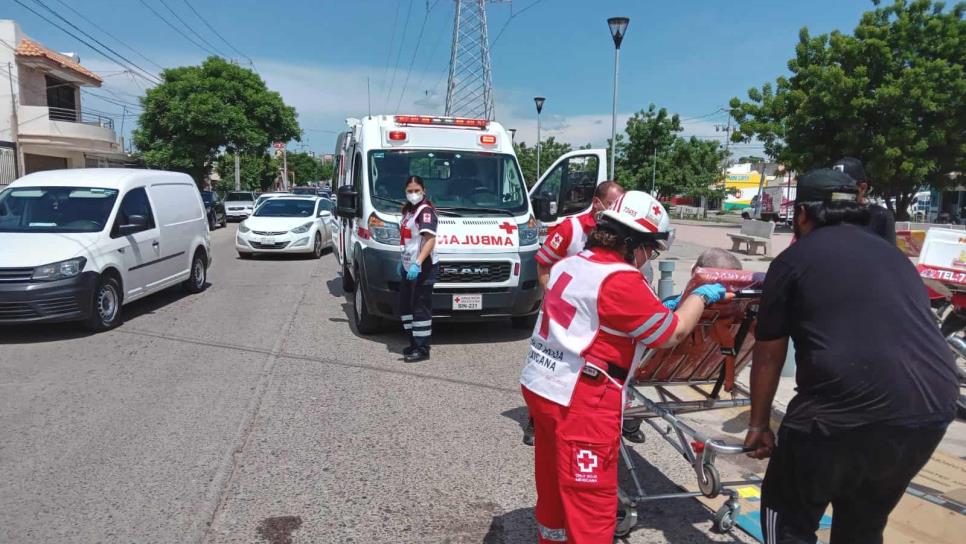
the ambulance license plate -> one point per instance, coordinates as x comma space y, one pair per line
467, 302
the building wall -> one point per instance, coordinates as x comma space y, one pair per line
10, 35
33, 87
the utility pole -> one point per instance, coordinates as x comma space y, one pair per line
14, 124
237, 171
284, 170
654, 171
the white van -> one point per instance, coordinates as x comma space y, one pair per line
78, 244
567, 187
487, 237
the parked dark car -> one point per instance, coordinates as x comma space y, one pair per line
304, 191
215, 208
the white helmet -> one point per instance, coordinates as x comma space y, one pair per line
643, 216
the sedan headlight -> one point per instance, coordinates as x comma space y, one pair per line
243, 228
302, 229
59, 271
529, 232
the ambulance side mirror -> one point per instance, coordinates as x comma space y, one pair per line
347, 203
544, 208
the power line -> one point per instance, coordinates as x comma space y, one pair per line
205, 21
102, 44
392, 82
85, 42
173, 27
412, 61
213, 49
432, 53
115, 38
512, 16
392, 38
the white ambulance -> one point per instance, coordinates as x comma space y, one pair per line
487, 237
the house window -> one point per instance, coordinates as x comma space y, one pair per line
61, 99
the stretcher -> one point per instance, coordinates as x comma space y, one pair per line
706, 364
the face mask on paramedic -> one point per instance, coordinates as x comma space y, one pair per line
414, 197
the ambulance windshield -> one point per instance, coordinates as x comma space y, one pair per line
471, 183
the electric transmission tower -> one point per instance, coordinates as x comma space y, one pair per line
469, 90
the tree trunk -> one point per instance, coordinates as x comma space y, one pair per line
902, 206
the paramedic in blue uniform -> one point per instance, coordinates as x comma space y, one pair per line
876, 382
417, 269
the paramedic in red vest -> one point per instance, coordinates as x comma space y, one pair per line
598, 315
568, 238
417, 269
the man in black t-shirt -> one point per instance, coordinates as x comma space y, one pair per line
876, 382
881, 221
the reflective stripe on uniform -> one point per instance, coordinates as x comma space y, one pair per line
668, 319
407, 317
647, 325
427, 323
422, 333
615, 332
548, 255
553, 535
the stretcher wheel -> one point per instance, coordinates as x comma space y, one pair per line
626, 519
724, 519
710, 481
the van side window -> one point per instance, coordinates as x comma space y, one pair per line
135, 203
357, 173
571, 184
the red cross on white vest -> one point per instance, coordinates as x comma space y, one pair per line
556, 308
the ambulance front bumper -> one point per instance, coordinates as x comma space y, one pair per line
506, 282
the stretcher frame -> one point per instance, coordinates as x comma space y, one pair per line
699, 450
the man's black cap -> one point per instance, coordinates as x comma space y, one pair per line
825, 185
853, 167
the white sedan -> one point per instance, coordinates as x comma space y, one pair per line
287, 224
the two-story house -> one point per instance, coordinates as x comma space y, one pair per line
43, 125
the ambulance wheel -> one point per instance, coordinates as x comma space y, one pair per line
724, 519
348, 285
710, 481
524, 322
365, 322
626, 520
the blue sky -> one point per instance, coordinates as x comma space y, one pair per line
690, 56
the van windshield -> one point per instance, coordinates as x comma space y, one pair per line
239, 197
55, 209
470, 183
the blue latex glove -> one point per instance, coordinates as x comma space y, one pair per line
711, 293
413, 272
671, 303
400, 270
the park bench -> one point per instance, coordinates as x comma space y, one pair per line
753, 233
689, 211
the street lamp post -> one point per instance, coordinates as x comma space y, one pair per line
538, 100
618, 28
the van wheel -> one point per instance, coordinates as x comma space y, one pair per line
105, 305
524, 322
199, 274
211, 223
348, 284
366, 323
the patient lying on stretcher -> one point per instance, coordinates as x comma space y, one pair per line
710, 258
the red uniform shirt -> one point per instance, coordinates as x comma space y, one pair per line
566, 239
627, 306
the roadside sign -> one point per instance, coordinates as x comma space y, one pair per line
278, 145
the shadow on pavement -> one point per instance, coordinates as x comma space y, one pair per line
514, 527
52, 332
678, 520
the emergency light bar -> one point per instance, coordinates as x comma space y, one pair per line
441, 121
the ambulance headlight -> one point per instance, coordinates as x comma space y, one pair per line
383, 232
529, 232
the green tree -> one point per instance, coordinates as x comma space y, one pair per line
647, 131
198, 111
550, 150
326, 171
892, 94
307, 168
258, 172
693, 169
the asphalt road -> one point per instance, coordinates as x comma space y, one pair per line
253, 413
